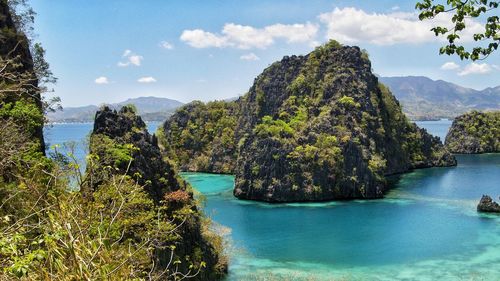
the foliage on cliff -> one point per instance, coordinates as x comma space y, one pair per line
21, 113
133, 223
321, 127
475, 132
201, 137
121, 145
316, 127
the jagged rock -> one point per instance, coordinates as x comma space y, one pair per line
347, 131
313, 128
475, 132
125, 127
114, 137
487, 205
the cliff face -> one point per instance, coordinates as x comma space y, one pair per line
475, 132
121, 141
18, 81
321, 127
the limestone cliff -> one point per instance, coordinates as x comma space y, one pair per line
321, 127
475, 132
120, 144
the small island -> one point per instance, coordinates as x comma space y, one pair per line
475, 132
487, 205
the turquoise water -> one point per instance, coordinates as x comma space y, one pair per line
426, 228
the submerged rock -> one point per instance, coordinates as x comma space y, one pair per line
475, 132
487, 205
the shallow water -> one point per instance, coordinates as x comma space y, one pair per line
426, 228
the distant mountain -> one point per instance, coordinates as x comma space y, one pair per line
424, 98
150, 108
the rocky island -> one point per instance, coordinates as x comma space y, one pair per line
487, 205
475, 132
311, 128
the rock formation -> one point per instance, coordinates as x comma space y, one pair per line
18, 81
120, 140
487, 205
475, 132
319, 127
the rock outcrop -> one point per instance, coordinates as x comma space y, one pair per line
487, 205
121, 141
475, 132
18, 81
321, 127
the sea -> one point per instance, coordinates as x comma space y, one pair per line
426, 227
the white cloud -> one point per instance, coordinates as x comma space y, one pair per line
475, 68
166, 45
450, 66
130, 59
352, 25
198, 38
101, 80
147, 79
247, 37
250, 57
395, 8
135, 60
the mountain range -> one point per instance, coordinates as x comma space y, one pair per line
424, 98
421, 97
150, 108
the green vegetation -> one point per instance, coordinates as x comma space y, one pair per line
313, 127
201, 137
273, 128
119, 220
348, 102
487, 41
475, 132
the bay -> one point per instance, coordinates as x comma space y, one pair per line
426, 228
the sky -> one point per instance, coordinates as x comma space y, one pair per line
109, 51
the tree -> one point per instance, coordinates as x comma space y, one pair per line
23, 17
486, 42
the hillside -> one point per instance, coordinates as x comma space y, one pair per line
424, 98
311, 128
121, 140
150, 109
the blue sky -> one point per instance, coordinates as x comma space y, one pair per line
108, 51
